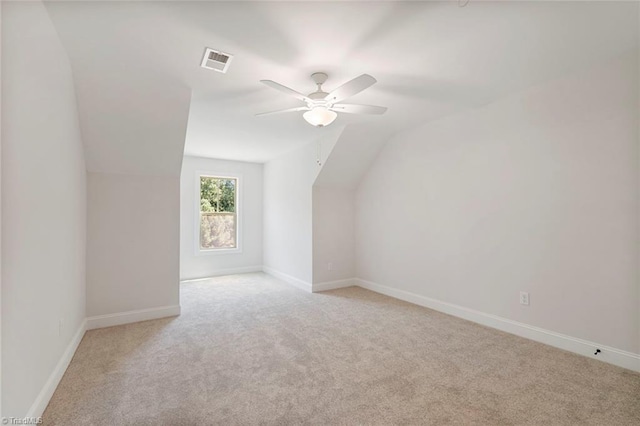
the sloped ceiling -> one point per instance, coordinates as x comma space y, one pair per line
355, 150
136, 66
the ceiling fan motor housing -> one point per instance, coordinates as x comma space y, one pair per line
318, 97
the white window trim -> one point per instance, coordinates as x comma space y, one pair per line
239, 214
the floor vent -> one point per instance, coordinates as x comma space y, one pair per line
216, 60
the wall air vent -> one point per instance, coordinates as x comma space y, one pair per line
216, 60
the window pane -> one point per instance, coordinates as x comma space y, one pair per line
217, 194
218, 227
217, 230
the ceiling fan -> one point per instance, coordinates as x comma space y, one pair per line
322, 107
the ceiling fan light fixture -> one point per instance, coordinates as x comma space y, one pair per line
319, 116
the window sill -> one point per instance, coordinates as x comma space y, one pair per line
204, 252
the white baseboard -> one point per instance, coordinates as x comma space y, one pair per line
43, 398
222, 272
302, 285
332, 285
586, 348
109, 320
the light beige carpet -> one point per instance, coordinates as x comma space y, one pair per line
249, 349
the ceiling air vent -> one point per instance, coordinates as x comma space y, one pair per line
216, 60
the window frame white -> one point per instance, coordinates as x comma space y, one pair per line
239, 213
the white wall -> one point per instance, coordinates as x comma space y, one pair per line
351, 155
43, 206
333, 234
288, 226
537, 192
133, 242
287, 212
0, 212
193, 265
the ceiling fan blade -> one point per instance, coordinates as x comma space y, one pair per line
303, 108
359, 109
285, 89
351, 88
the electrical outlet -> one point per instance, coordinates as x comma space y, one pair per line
330, 266
524, 298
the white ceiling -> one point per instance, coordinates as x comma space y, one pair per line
136, 62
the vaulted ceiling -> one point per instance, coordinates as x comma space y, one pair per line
140, 88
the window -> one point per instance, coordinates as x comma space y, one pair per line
218, 213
